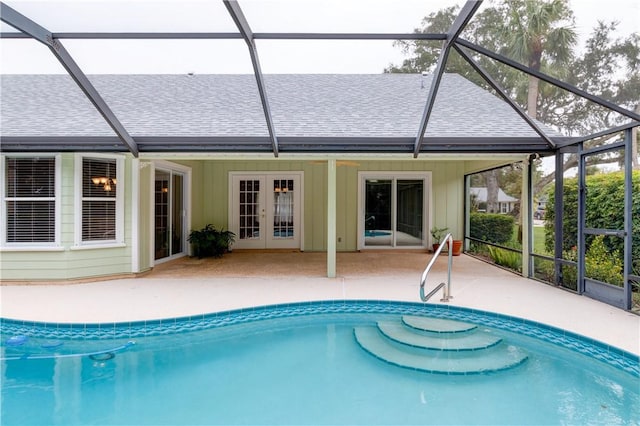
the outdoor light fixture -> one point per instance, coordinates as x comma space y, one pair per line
104, 181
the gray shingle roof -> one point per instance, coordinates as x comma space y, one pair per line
307, 105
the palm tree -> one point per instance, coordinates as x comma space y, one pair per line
539, 34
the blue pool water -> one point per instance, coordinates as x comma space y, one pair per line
300, 364
372, 233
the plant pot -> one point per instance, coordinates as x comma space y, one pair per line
457, 247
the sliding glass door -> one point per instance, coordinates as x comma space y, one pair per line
392, 212
170, 230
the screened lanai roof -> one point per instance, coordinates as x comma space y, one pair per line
311, 112
81, 103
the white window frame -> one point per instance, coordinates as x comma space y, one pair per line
31, 246
118, 241
394, 177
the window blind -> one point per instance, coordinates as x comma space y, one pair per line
30, 199
99, 190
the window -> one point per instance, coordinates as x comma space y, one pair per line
30, 203
101, 195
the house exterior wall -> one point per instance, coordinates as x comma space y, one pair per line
68, 261
211, 194
209, 204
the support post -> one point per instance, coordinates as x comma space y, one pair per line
331, 218
525, 216
628, 223
135, 215
582, 202
247, 34
558, 207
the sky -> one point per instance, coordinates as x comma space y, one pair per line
231, 56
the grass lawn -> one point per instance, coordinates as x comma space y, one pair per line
538, 239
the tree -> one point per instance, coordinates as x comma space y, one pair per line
481, 30
491, 179
538, 34
519, 28
527, 31
610, 68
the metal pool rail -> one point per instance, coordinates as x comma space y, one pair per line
446, 292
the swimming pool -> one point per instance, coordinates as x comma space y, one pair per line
308, 363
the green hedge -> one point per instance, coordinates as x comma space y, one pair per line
491, 227
605, 208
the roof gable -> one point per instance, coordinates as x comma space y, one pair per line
481, 195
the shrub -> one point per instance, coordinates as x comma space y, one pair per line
570, 272
544, 269
605, 204
491, 227
600, 264
210, 242
507, 258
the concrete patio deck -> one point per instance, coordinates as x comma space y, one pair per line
240, 279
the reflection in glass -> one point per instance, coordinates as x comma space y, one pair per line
283, 209
177, 219
249, 210
377, 214
410, 199
161, 214
169, 214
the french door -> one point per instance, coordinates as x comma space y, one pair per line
265, 210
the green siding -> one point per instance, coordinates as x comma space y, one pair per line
211, 182
211, 187
146, 214
210, 193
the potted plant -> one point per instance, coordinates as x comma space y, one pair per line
209, 241
438, 234
457, 248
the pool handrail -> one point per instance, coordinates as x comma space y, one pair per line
446, 292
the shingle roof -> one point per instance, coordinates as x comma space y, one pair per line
306, 105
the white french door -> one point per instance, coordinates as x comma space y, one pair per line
265, 210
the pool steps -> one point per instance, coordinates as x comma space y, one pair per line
438, 346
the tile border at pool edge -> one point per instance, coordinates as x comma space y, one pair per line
570, 340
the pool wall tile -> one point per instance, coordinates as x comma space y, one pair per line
613, 356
